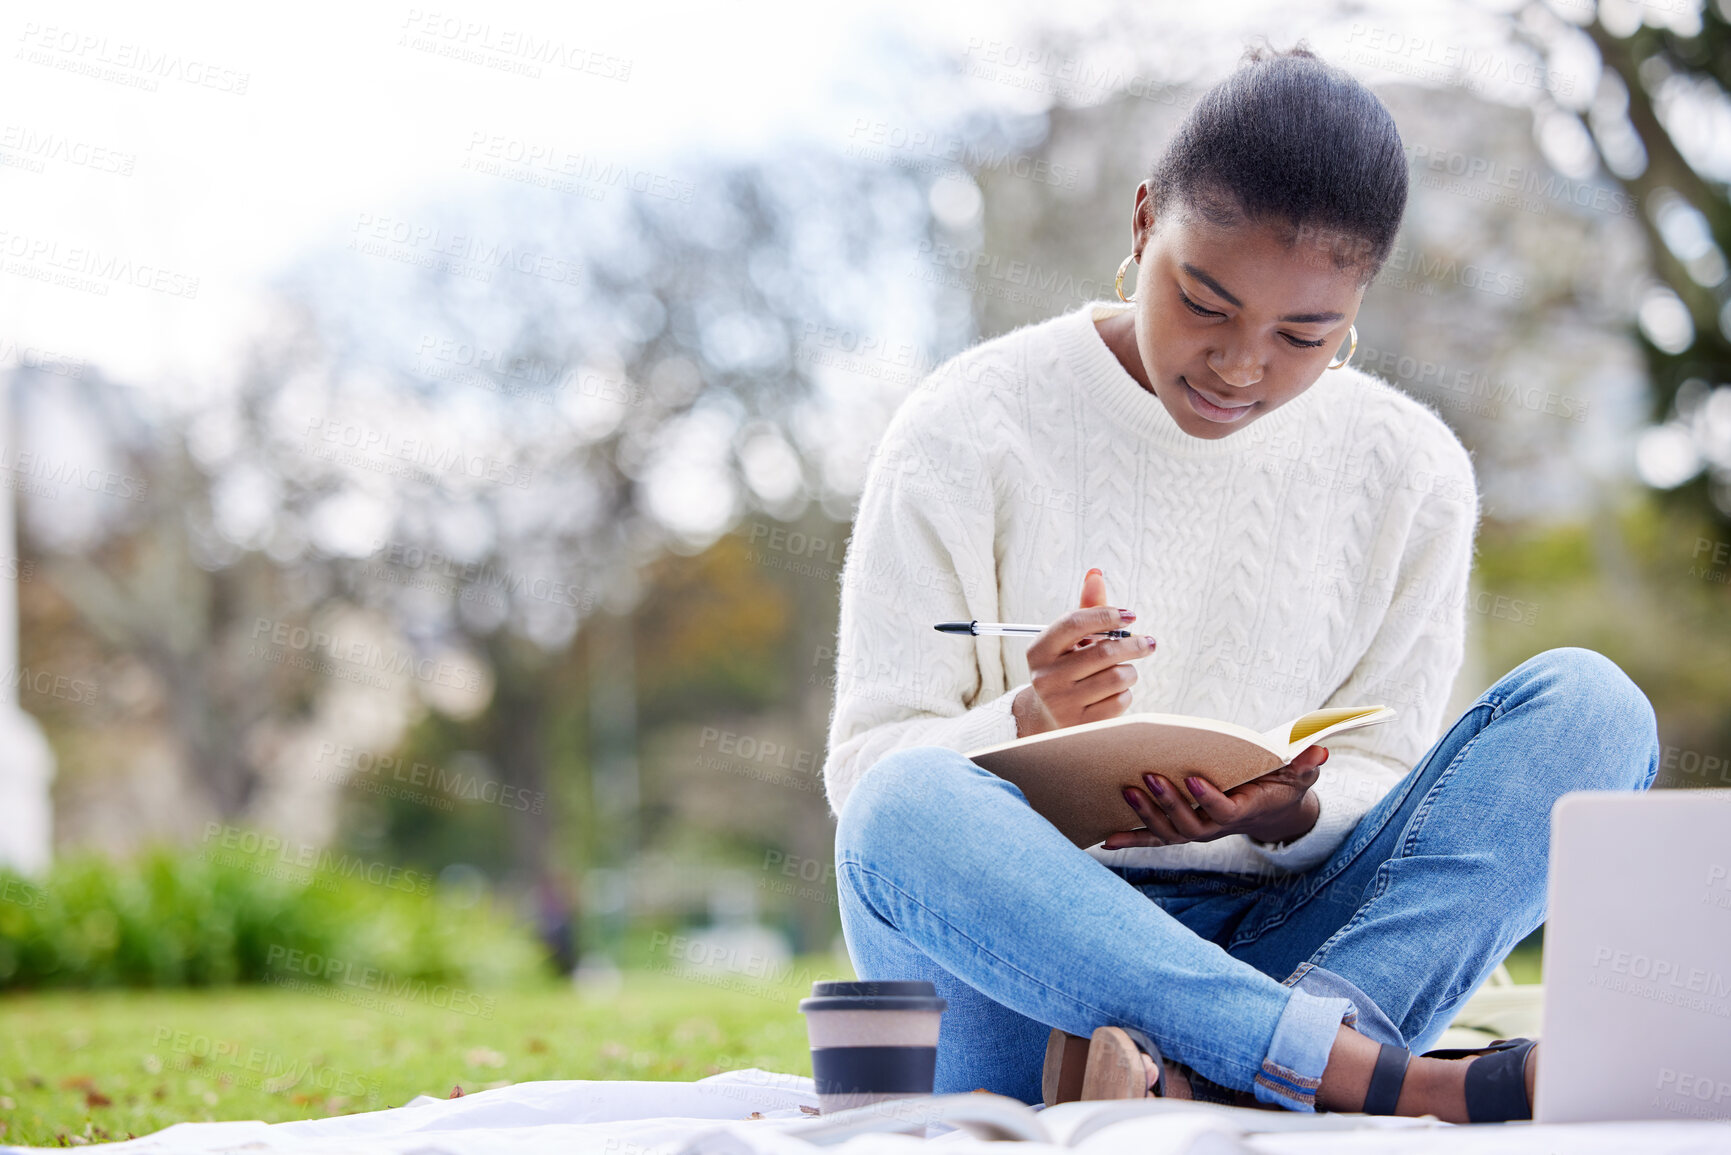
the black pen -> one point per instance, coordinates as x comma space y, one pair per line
977, 628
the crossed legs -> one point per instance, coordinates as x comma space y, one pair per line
944, 873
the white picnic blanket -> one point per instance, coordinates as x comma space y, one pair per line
712, 1116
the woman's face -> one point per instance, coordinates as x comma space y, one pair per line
1242, 315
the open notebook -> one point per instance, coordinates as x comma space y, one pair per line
1075, 776
999, 1118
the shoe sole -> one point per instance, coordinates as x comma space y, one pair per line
1066, 1061
1114, 1069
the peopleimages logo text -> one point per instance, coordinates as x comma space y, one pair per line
308, 857
407, 555
436, 460
467, 787
342, 972
363, 655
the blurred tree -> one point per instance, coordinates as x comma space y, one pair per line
137, 577
740, 639
1653, 123
651, 405
464, 465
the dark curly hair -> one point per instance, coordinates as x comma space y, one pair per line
1290, 140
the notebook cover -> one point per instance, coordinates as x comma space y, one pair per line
1077, 783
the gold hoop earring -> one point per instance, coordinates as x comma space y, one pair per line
1122, 269
1350, 350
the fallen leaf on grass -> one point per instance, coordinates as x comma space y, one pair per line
810, 1110
456, 1093
537, 1046
95, 1098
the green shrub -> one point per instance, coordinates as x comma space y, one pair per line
177, 918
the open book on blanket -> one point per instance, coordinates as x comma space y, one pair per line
1075, 777
984, 1115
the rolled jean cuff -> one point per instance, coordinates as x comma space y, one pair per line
1299, 1051
1365, 1017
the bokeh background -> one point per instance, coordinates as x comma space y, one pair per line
430, 439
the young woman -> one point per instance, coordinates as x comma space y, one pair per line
1295, 534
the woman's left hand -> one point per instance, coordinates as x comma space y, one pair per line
1276, 807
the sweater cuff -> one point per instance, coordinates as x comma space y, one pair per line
1335, 818
991, 723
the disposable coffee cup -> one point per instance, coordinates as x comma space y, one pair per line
872, 1041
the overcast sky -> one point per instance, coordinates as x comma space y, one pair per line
214, 143
200, 148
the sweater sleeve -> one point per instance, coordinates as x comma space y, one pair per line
922, 552
1410, 664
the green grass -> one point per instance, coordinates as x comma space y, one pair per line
103, 1065
1525, 962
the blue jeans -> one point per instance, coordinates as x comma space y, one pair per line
944, 873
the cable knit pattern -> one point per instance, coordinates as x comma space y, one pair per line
1319, 556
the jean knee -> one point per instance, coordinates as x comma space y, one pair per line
1602, 702
904, 795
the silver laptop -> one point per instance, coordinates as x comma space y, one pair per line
1637, 960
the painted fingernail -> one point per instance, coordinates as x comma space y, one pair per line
1096, 570
1127, 615
1155, 785
1129, 795
1196, 785
1149, 638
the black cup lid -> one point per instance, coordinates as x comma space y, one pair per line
875, 987
873, 995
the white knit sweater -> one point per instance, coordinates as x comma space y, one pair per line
1319, 556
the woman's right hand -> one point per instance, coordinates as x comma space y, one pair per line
1075, 677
